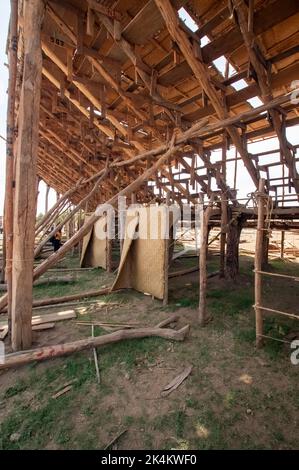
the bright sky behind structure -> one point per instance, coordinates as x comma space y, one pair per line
244, 182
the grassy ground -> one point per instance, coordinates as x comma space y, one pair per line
236, 396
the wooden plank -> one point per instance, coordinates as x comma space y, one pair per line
110, 12
43, 326
144, 25
48, 319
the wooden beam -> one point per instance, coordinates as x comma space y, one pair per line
107, 12
25, 190
258, 264
202, 74
10, 138
204, 216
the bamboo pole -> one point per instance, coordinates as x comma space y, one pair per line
10, 137
25, 187
49, 352
258, 264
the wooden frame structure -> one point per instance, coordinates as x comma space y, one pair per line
110, 98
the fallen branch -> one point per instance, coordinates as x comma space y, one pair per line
47, 352
176, 382
113, 441
95, 357
62, 392
172, 319
69, 298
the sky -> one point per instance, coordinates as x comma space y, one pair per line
244, 182
4, 22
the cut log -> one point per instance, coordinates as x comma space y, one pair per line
40, 354
26, 178
10, 138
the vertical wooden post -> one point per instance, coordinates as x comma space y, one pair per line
265, 258
109, 241
47, 199
223, 211
2, 274
10, 137
204, 216
25, 188
236, 169
166, 252
282, 244
234, 230
223, 234
258, 264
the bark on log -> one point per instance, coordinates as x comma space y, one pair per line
204, 233
49, 352
10, 138
258, 264
26, 179
232, 249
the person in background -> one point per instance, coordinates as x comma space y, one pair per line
56, 240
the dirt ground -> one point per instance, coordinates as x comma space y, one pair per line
235, 397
